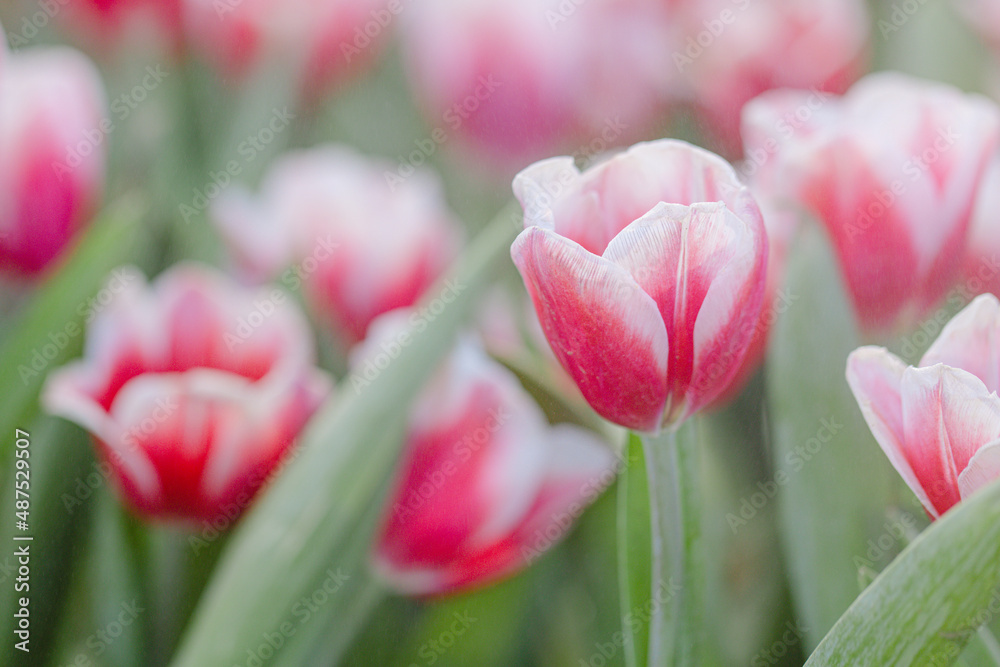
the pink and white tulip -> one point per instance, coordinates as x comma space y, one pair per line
485, 483
982, 264
647, 273
193, 388
892, 170
939, 422
730, 52
51, 173
359, 244
518, 80
325, 40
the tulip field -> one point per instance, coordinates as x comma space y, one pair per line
491, 333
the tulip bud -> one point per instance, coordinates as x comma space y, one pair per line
52, 148
193, 388
647, 273
892, 170
360, 241
939, 423
485, 485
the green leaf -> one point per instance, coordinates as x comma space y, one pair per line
298, 539
51, 330
634, 551
926, 605
832, 481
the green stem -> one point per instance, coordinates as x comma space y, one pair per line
678, 569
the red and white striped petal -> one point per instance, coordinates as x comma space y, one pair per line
704, 267
971, 341
603, 328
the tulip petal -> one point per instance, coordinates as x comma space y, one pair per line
604, 330
971, 341
947, 416
875, 376
705, 269
983, 468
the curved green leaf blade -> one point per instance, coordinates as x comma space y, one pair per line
296, 539
925, 607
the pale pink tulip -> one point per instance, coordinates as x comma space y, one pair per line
324, 40
892, 170
982, 264
647, 273
730, 52
193, 388
329, 220
485, 484
938, 423
52, 154
513, 81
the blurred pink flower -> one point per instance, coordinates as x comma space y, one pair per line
939, 423
193, 388
650, 306
104, 23
982, 262
360, 245
485, 484
325, 40
731, 51
892, 170
519, 80
52, 153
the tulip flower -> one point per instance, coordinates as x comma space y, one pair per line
193, 388
52, 148
982, 263
99, 23
329, 220
730, 52
892, 170
514, 81
647, 273
326, 40
485, 484
939, 422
